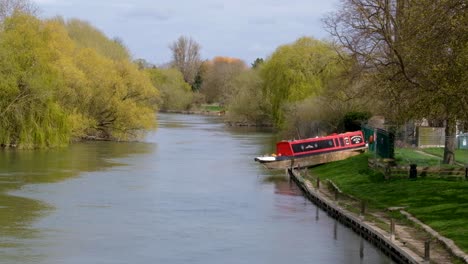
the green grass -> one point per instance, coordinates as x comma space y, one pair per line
442, 204
461, 155
212, 107
406, 156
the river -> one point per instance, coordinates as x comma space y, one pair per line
190, 193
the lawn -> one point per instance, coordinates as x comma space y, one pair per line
461, 155
440, 203
406, 156
212, 107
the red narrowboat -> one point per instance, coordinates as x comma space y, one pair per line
313, 151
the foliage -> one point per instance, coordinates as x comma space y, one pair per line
176, 94
219, 77
86, 36
297, 71
257, 63
247, 105
143, 64
30, 114
415, 50
54, 88
9, 7
437, 202
352, 120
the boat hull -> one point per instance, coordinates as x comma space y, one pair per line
307, 161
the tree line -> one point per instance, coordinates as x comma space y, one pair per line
403, 59
65, 80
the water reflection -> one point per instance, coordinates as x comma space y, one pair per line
22, 168
195, 197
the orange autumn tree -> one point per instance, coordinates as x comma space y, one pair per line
219, 77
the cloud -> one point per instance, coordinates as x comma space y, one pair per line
262, 21
149, 14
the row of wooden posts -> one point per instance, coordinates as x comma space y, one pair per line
337, 192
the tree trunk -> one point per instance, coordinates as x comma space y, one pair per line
450, 137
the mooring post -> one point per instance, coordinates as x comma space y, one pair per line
363, 208
318, 183
336, 194
392, 229
427, 250
413, 172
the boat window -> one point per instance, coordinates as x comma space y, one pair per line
336, 142
342, 141
310, 146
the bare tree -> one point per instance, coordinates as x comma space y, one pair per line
186, 57
8, 7
416, 50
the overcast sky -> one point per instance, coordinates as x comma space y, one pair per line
245, 29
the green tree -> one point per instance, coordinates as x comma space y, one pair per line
28, 85
257, 63
86, 36
295, 72
9, 7
176, 94
247, 105
105, 95
416, 50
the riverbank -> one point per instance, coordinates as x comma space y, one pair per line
438, 203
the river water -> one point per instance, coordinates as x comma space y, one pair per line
190, 193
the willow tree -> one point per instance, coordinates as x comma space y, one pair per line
30, 114
247, 105
9, 7
295, 72
104, 94
175, 93
417, 52
86, 35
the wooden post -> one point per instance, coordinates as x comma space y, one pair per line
427, 250
318, 183
336, 193
387, 171
363, 208
392, 229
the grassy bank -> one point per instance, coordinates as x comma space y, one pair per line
461, 155
441, 204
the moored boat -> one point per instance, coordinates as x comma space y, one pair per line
313, 151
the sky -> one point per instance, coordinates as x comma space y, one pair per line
244, 29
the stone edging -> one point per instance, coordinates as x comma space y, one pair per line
449, 244
389, 246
